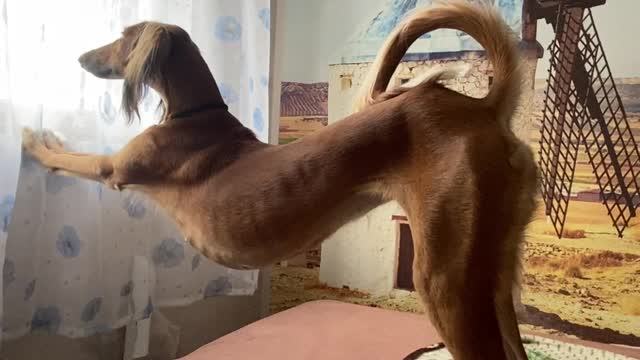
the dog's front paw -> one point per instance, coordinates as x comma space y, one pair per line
30, 139
52, 141
33, 145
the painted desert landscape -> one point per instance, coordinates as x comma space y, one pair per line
586, 284
303, 109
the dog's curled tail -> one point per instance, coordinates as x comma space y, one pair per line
482, 22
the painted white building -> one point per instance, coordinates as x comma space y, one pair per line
373, 254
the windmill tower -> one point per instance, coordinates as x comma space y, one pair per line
582, 106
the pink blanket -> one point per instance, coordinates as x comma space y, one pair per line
338, 331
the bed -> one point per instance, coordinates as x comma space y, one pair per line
340, 331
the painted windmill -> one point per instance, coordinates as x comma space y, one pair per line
582, 106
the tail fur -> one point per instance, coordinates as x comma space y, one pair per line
482, 22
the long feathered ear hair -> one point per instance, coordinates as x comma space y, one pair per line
145, 65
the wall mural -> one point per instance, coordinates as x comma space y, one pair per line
585, 284
303, 110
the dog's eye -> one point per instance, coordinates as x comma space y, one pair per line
127, 45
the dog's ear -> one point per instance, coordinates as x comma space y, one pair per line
145, 65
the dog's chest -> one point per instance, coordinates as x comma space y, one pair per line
213, 245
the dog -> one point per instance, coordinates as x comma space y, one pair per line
451, 161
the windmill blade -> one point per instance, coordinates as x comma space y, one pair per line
613, 152
581, 85
560, 132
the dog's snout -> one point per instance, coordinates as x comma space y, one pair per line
83, 59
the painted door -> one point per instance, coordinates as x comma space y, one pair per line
404, 279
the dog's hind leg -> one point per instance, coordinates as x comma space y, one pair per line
507, 319
523, 189
508, 324
508, 281
453, 278
463, 313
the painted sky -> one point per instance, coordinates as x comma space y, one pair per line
365, 43
315, 30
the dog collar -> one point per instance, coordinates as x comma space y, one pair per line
201, 108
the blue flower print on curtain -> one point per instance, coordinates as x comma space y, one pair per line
265, 17
126, 289
264, 81
8, 273
228, 29
91, 310
217, 287
169, 253
46, 319
148, 309
195, 262
68, 243
29, 290
6, 208
229, 95
258, 120
134, 207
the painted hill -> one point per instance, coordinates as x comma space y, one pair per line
299, 99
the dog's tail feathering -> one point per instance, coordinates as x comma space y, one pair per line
482, 22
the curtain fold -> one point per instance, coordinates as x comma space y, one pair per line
72, 249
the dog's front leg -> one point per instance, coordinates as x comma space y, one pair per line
94, 167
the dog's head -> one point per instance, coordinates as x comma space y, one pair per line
140, 57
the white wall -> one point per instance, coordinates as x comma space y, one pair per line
315, 29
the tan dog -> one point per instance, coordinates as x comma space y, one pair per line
465, 181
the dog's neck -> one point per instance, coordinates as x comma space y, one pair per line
188, 84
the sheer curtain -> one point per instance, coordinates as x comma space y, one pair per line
80, 258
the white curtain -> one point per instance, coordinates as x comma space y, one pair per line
78, 257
